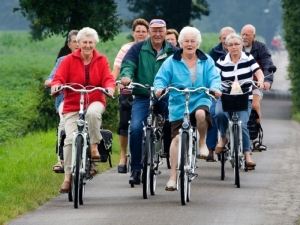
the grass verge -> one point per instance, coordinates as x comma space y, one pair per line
26, 177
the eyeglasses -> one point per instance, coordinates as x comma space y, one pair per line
189, 41
235, 45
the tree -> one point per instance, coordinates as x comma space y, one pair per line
176, 13
59, 17
265, 15
291, 17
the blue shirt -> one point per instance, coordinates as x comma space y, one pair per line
59, 98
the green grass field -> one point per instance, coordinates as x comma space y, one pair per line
26, 177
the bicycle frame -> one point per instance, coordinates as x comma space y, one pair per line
235, 121
82, 127
187, 128
80, 172
186, 163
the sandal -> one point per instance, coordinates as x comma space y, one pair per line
94, 169
171, 185
258, 146
58, 168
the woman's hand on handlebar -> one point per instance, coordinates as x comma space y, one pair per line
111, 91
158, 93
54, 89
260, 84
217, 93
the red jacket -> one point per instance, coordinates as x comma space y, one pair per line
71, 70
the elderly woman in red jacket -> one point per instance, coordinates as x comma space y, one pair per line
86, 67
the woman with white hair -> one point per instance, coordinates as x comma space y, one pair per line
86, 67
240, 66
188, 67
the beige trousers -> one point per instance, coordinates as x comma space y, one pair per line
94, 119
61, 125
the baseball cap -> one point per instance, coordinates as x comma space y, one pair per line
157, 23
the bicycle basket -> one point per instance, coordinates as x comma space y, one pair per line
235, 103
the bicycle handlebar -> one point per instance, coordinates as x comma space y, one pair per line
83, 90
187, 90
133, 85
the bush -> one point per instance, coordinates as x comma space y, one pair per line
291, 17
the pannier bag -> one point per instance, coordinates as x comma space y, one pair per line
255, 131
105, 146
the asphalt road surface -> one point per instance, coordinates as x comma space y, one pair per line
268, 195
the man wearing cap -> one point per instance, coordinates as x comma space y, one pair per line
140, 65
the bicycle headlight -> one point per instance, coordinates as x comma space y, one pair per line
185, 125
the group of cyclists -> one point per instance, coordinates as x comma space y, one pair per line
155, 58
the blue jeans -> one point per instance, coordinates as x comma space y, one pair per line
212, 134
222, 123
139, 114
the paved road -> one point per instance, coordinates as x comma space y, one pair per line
268, 195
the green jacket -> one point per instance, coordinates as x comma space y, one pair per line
141, 65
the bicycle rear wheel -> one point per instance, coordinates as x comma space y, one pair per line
76, 177
146, 164
236, 155
183, 168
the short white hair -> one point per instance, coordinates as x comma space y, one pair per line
229, 29
231, 36
190, 30
88, 32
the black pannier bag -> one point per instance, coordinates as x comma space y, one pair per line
255, 131
105, 146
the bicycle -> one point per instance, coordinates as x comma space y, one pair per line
233, 152
81, 154
152, 144
188, 149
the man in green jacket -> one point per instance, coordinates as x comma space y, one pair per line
140, 65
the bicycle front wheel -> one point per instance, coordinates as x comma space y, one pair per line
183, 167
76, 177
236, 155
223, 160
146, 164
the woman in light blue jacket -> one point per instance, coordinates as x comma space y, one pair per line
188, 67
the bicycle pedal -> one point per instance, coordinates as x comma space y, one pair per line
256, 150
251, 168
170, 189
210, 160
193, 176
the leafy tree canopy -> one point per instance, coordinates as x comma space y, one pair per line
176, 13
59, 17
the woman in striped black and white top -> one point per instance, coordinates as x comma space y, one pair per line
240, 66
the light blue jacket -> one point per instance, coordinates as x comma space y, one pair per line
59, 98
175, 72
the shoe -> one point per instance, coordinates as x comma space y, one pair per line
219, 149
93, 169
65, 187
58, 168
135, 177
164, 155
122, 168
203, 152
210, 158
171, 185
251, 164
95, 154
